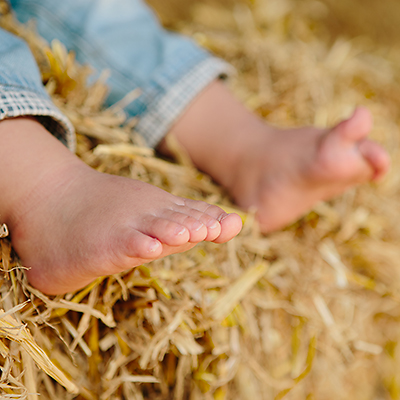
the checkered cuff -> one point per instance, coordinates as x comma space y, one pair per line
16, 103
161, 115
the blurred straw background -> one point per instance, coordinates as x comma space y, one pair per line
311, 312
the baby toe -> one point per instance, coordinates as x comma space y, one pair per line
135, 244
200, 213
166, 231
211, 210
231, 224
356, 127
197, 229
376, 157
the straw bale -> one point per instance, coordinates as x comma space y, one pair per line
309, 312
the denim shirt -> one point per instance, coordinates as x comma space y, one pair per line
120, 35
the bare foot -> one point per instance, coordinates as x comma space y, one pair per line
71, 224
282, 173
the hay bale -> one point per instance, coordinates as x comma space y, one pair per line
308, 312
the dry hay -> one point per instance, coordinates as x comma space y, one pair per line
309, 312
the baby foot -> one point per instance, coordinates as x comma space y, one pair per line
71, 224
102, 224
283, 173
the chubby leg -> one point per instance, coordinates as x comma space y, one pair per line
282, 173
71, 224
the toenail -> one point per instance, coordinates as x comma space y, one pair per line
197, 225
222, 217
154, 246
212, 224
180, 230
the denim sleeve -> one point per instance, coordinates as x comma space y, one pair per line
125, 37
22, 93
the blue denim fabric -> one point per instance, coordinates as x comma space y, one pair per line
125, 37
22, 92
17, 66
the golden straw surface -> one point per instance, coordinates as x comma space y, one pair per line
311, 312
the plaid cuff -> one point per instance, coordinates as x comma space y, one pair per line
161, 115
16, 103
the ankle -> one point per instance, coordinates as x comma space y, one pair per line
217, 131
45, 194
238, 153
33, 165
